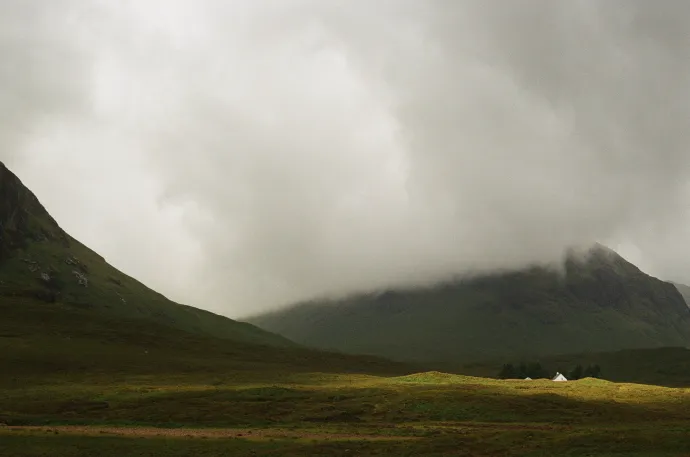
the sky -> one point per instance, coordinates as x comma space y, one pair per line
242, 155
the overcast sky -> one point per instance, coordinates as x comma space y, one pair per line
241, 155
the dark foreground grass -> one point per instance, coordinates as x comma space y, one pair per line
305, 415
448, 441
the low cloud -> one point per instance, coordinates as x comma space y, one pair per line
239, 156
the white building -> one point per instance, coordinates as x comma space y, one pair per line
559, 377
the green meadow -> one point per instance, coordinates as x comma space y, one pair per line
330, 414
94, 386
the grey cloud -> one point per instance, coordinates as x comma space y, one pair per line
42, 67
301, 148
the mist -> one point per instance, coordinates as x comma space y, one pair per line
240, 156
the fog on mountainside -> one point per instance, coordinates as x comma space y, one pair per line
242, 155
597, 302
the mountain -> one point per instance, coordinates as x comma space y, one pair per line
598, 302
41, 263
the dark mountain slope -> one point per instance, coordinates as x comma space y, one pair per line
41, 342
40, 262
599, 303
23, 220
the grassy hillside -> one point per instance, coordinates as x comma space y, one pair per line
40, 342
39, 261
600, 303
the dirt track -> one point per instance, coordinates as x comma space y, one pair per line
251, 434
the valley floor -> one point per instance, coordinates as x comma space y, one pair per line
318, 414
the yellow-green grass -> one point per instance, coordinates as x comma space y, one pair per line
443, 414
63, 367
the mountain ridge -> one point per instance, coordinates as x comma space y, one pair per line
598, 301
40, 261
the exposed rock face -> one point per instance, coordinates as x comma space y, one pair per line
22, 217
81, 278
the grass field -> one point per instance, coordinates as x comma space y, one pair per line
331, 414
74, 382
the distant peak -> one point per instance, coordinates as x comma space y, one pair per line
592, 252
596, 257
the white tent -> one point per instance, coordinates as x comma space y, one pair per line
528, 378
559, 377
